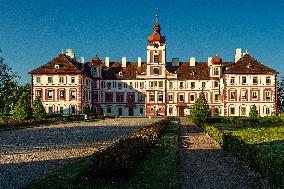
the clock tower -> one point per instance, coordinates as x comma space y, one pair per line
156, 53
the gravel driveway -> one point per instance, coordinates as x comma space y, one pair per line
205, 165
28, 154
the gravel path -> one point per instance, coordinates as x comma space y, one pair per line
28, 154
205, 165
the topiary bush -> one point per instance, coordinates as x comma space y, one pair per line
38, 109
23, 109
200, 111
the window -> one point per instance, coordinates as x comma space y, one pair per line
61, 110
130, 98
152, 84
37, 79
243, 111
130, 85
216, 71
95, 85
95, 97
170, 110
232, 111
152, 97
216, 97
114, 84
72, 79
244, 79
38, 93
108, 97
62, 94
141, 97
94, 71
232, 81
244, 95
181, 85
233, 95
267, 110
203, 84
49, 94
119, 85
268, 95
108, 85
49, 79
73, 95
141, 85
192, 84
254, 94
156, 59
160, 97
61, 79
268, 80
156, 71
119, 97
255, 80
217, 111
216, 83
141, 110
109, 110
73, 110
171, 85
160, 84
170, 97
191, 97
181, 98
50, 109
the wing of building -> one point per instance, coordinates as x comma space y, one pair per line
155, 87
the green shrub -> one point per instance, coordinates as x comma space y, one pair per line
38, 109
87, 110
253, 112
23, 109
122, 157
200, 111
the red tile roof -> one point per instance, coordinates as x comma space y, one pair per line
66, 65
248, 65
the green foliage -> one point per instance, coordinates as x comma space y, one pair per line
122, 157
87, 110
261, 147
200, 112
280, 95
38, 109
253, 112
23, 108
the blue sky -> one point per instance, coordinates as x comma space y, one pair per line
33, 32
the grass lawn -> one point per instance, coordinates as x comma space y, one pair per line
159, 170
260, 145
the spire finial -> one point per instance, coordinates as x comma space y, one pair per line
157, 14
62, 51
246, 51
216, 53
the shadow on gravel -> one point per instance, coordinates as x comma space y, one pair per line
15, 175
45, 139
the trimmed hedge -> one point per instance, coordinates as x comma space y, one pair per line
271, 166
241, 120
123, 156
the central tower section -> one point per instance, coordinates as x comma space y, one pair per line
156, 53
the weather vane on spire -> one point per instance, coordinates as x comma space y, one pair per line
157, 15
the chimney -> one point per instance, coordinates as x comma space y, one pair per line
123, 61
139, 61
209, 61
107, 61
192, 61
175, 61
70, 53
82, 60
238, 54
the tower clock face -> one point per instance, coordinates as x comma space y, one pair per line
156, 52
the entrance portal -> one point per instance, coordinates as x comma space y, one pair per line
181, 111
130, 111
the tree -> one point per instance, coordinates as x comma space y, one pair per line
87, 110
280, 95
200, 110
8, 87
253, 112
23, 108
38, 109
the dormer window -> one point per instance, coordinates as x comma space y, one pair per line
156, 71
93, 71
56, 66
120, 73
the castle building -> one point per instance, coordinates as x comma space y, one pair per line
155, 87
